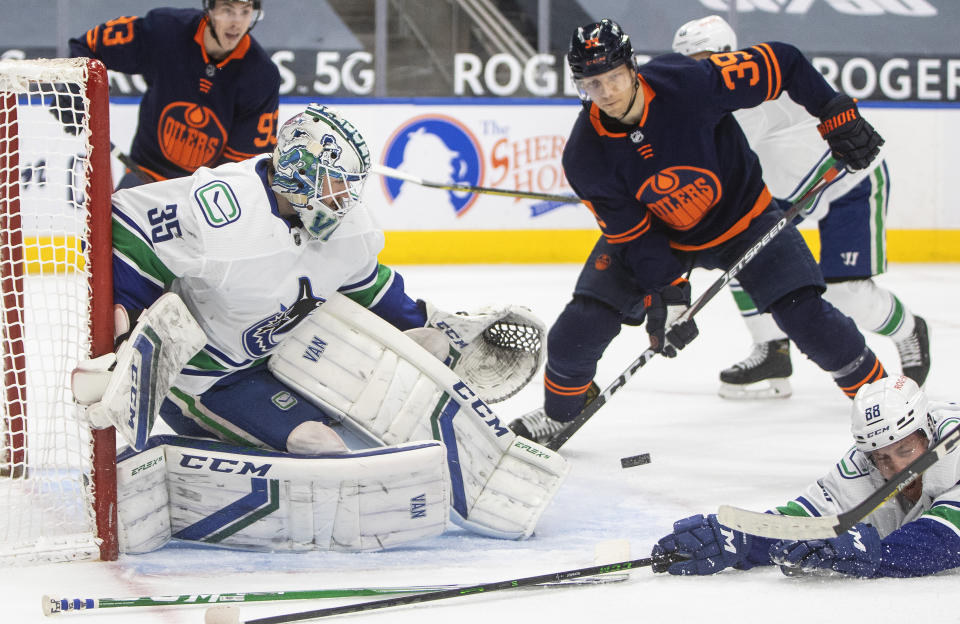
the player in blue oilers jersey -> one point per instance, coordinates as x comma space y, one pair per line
657, 157
212, 92
918, 533
851, 216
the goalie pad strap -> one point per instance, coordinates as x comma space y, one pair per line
386, 388
237, 497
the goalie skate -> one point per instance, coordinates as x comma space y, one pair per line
915, 352
764, 374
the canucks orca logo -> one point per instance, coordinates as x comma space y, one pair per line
190, 135
438, 149
260, 338
680, 196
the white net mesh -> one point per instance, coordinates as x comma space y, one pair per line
46, 496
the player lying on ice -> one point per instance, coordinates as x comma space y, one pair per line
263, 318
917, 534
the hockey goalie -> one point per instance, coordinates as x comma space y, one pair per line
316, 405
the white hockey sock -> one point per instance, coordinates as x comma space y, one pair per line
871, 307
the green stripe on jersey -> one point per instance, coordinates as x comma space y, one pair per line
367, 296
134, 249
949, 514
793, 508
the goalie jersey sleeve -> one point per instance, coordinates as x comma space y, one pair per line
246, 274
918, 539
196, 112
684, 178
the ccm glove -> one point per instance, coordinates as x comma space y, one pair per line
850, 137
663, 308
710, 546
856, 553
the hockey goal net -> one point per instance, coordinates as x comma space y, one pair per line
57, 476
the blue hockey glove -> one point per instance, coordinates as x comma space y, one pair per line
848, 134
710, 546
856, 553
663, 308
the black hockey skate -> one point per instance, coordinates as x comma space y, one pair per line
539, 427
915, 352
764, 374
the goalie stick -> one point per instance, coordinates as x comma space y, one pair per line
230, 615
389, 172
776, 526
560, 438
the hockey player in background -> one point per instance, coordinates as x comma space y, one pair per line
917, 533
262, 318
851, 215
666, 171
212, 92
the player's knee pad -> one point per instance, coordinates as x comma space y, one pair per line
579, 337
314, 438
863, 301
820, 331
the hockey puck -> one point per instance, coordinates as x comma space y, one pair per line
636, 460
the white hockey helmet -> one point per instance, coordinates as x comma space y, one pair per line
707, 34
320, 165
887, 411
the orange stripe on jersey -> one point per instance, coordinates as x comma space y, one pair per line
742, 224
564, 390
153, 174
633, 233
774, 79
875, 373
233, 154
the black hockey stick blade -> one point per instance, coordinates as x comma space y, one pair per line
390, 172
827, 177
484, 588
824, 527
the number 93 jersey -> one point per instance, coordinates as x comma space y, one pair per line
247, 274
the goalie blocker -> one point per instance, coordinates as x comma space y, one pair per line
388, 390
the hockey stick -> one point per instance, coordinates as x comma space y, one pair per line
130, 164
825, 527
230, 615
389, 172
605, 552
560, 438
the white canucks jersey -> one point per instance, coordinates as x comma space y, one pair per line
247, 275
854, 478
791, 152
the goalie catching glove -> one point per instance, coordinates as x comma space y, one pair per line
497, 351
663, 308
851, 138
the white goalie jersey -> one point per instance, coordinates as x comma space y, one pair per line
247, 276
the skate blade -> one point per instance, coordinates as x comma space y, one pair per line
774, 388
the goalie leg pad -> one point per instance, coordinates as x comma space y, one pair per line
165, 338
387, 389
239, 497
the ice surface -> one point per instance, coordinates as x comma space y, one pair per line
705, 451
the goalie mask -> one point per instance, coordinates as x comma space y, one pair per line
707, 34
887, 411
320, 165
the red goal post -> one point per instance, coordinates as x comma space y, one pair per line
57, 475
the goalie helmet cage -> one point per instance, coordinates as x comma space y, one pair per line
57, 476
